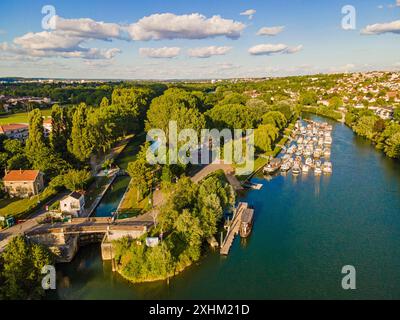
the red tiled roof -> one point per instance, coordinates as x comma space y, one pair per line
21, 175
13, 126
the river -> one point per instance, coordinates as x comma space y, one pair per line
306, 229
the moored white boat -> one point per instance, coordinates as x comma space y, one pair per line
327, 167
318, 169
296, 168
309, 162
273, 166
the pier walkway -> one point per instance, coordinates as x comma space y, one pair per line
233, 229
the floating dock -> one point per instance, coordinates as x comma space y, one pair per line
233, 228
251, 185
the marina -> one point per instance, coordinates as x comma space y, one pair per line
308, 150
299, 220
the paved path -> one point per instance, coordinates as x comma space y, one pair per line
145, 219
228, 170
159, 199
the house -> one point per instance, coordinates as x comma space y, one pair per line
73, 204
48, 126
23, 183
18, 131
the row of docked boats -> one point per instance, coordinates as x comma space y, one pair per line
309, 149
297, 166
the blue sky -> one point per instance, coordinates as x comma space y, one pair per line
139, 41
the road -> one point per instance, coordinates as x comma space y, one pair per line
7, 234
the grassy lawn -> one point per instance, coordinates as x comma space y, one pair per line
4, 203
20, 207
15, 207
259, 162
130, 152
94, 190
131, 207
21, 117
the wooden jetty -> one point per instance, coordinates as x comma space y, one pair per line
233, 229
254, 186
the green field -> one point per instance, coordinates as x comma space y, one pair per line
20, 117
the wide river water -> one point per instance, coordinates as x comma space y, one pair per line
306, 229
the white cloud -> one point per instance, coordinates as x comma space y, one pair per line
50, 51
207, 52
270, 31
380, 28
398, 3
48, 41
249, 13
268, 49
67, 40
294, 49
70, 36
88, 28
192, 26
166, 52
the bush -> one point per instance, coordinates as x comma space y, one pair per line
323, 111
20, 270
191, 215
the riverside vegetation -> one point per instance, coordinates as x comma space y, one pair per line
92, 126
20, 270
192, 215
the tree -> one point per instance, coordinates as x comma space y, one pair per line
396, 114
20, 269
335, 102
234, 98
76, 179
233, 116
104, 103
175, 105
133, 104
275, 118
392, 148
379, 125
36, 144
79, 143
365, 126
189, 230
285, 108
141, 174
3, 162
264, 137
60, 129
14, 156
308, 98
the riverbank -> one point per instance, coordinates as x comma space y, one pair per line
383, 134
324, 112
191, 215
307, 228
262, 160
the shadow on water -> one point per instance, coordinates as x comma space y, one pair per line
306, 229
112, 198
